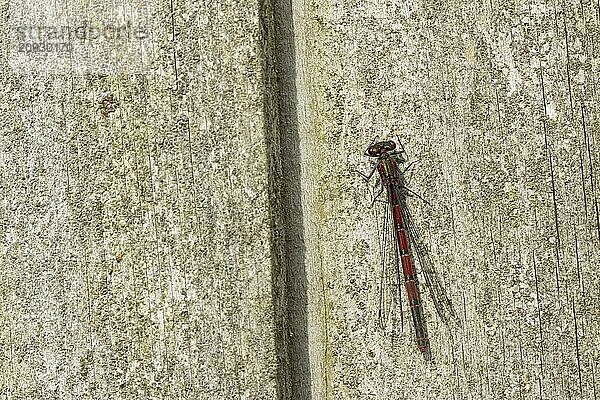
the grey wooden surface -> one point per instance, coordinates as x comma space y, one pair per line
135, 226
179, 217
498, 102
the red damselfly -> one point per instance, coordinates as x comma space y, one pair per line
405, 241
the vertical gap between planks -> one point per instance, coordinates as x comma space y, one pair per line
289, 278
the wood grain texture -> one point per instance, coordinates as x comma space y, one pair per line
179, 218
135, 227
498, 102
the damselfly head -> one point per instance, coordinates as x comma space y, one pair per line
378, 149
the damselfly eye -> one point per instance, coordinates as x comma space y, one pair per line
389, 145
373, 151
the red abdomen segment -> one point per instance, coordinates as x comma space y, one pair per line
410, 281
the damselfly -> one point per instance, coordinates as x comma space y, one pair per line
406, 241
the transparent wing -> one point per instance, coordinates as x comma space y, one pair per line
441, 300
390, 283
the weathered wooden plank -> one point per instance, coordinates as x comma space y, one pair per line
498, 102
136, 232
